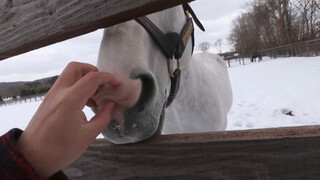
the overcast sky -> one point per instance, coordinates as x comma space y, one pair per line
215, 15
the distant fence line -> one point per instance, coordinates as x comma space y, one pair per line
19, 99
306, 48
19, 92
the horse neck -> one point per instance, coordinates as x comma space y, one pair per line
193, 72
205, 74
191, 96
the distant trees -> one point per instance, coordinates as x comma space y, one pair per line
18, 91
33, 91
38, 87
27, 92
308, 20
272, 23
205, 46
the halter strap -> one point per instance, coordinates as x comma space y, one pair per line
166, 42
173, 44
187, 8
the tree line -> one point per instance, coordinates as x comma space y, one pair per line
272, 23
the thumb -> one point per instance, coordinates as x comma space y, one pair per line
101, 120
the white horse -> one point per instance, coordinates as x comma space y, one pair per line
129, 51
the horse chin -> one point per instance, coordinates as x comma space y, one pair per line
142, 120
136, 129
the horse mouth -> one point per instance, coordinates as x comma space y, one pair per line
140, 121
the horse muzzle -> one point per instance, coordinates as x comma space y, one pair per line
137, 115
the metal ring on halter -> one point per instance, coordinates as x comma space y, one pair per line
170, 68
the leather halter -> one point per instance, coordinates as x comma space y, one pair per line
173, 45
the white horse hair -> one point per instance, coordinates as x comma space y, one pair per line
128, 51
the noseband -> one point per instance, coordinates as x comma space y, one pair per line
173, 45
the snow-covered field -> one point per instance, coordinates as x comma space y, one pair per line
263, 94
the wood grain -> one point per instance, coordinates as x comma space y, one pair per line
282, 153
26, 25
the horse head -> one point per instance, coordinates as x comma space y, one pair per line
131, 52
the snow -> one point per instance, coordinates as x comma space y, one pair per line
16, 116
19, 115
266, 94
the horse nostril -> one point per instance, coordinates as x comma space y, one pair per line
140, 121
148, 89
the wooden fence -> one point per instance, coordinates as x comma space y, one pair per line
267, 154
31, 24
282, 153
229, 56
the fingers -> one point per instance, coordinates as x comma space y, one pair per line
73, 72
91, 103
86, 87
82, 81
101, 120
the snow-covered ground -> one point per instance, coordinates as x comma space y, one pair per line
263, 94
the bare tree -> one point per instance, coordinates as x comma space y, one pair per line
308, 19
244, 35
218, 44
272, 23
205, 46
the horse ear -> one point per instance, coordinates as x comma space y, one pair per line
187, 7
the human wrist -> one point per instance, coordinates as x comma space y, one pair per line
35, 156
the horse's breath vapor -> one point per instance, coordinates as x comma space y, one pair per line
146, 46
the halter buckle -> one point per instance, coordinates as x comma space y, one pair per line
170, 67
187, 13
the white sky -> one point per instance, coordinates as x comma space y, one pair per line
215, 15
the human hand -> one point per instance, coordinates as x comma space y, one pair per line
59, 132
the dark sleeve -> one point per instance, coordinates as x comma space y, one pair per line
13, 164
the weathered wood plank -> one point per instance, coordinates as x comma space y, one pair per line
282, 153
26, 25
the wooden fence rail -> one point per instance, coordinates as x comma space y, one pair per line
280, 153
32, 24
